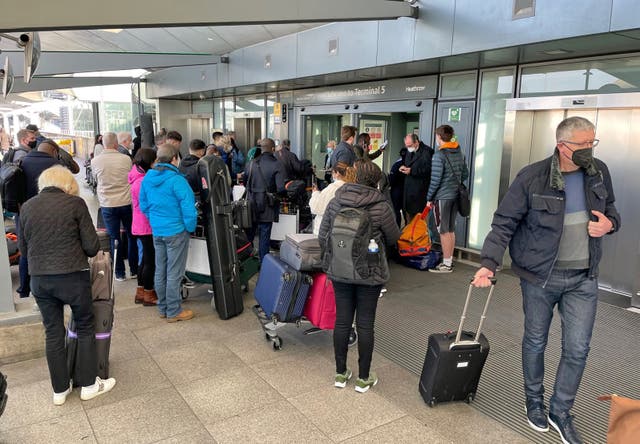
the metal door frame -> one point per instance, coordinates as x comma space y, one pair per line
425, 108
587, 102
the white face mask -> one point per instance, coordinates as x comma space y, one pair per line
411, 149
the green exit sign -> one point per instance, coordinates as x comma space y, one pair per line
454, 114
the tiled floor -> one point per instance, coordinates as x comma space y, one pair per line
209, 380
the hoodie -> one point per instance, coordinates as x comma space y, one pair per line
167, 201
189, 167
140, 225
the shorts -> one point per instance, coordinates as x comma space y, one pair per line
445, 213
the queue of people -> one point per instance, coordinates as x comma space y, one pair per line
553, 217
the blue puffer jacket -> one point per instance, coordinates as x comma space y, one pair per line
444, 180
167, 200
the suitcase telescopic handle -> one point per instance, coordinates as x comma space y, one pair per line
116, 244
475, 341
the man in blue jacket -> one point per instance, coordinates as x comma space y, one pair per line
553, 218
168, 202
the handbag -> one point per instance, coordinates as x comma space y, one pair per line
242, 216
414, 239
463, 200
624, 420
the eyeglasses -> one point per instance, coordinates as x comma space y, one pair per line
593, 143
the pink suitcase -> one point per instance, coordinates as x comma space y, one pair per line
320, 308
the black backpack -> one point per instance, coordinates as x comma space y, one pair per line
346, 258
13, 183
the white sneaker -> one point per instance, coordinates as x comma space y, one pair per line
60, 398
99, 388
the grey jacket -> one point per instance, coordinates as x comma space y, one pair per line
343, 153
56, 233
444, 178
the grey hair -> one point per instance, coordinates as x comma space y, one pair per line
166, 153
568, 126
122, 136
110, 140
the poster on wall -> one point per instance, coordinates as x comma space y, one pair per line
377, 130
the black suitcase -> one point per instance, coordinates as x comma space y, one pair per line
103, 313
217, 211
454, 361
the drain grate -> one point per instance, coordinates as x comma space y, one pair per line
419, 304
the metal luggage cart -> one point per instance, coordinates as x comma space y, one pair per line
270, 326
198, 272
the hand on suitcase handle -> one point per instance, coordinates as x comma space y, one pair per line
483, 278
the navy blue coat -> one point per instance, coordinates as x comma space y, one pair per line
33, 164
274, 176
530, 220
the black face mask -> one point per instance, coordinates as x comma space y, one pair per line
582, 158
32, 144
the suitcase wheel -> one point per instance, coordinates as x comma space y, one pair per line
433, 402
470, 397
277, 343
286, 277
353, 337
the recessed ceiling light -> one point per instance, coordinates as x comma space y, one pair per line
210, 39
113, 30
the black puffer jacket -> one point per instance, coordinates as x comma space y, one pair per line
56, 233
383, 222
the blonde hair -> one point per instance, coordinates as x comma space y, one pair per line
59, 177
331, 143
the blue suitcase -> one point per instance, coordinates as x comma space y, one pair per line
281, 290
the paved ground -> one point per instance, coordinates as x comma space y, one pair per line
208, 380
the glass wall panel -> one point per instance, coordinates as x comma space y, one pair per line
218, 112
229, 108
495, 88
586, 77
457, 86
202, 106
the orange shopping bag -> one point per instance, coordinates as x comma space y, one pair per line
415, 240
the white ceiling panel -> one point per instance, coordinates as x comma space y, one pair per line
241, 36
163, 40
126, 41
89, 39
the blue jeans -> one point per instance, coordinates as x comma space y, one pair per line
113, 218
171, 261
264, 231
576, 296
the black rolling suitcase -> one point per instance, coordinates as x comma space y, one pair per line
217, 212
103, 308
454, 361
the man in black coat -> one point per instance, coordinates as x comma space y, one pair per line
189, 165
417, 171
293, 167
265, 180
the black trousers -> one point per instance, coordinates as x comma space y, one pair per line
52, 292
147, 269
363, 301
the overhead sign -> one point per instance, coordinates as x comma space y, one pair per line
394, 89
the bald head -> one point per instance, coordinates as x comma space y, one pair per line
50, 147
267, 145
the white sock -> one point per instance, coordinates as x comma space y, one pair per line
448, 261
